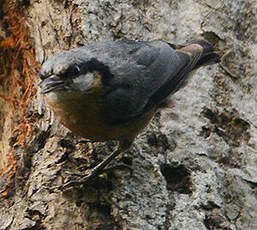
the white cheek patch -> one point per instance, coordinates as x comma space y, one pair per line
56, 97
52, 96
83, 82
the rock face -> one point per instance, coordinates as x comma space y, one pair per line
195, 166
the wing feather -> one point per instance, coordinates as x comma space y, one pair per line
145, 75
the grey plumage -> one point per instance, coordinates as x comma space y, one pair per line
139, 75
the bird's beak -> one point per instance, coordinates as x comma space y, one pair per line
51, 83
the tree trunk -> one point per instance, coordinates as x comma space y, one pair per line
194, 167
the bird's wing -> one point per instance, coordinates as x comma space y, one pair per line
184, 61
144, 75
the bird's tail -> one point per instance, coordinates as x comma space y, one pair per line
208, 56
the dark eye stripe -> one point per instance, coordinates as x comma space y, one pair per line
71, 72
76, 70
95, 65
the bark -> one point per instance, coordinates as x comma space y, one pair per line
194, 167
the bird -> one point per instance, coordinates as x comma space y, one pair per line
110, 90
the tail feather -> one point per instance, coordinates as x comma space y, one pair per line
208, 56
189, 56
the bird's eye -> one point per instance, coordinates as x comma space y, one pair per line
76, 70
71, 72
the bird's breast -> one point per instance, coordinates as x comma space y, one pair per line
84, 116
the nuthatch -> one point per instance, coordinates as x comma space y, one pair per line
110, 90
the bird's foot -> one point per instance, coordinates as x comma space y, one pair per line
86, 179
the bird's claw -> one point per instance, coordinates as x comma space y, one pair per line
72, 183
87, 178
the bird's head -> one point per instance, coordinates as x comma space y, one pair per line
71, 71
